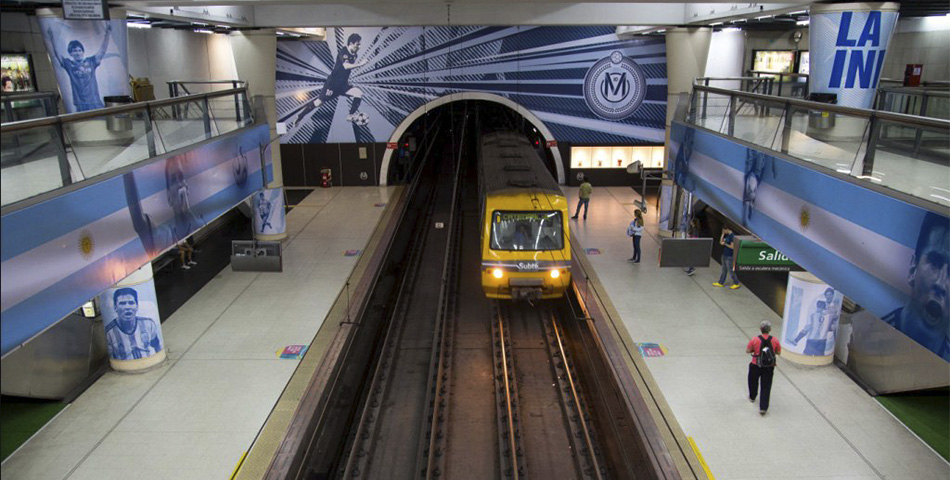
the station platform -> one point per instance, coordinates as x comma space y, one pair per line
196, 416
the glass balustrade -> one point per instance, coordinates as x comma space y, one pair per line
910, 154
44, 154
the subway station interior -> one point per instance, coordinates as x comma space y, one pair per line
320, 239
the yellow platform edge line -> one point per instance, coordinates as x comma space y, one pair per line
243, 456
702, 461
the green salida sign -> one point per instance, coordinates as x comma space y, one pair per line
760, 257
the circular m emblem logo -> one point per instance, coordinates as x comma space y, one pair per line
614, 87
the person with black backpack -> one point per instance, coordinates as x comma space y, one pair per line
764, 349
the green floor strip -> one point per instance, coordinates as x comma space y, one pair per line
926, 414
20, 418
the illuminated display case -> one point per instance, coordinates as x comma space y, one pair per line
773, 61
616, 157
803, 62
16, 70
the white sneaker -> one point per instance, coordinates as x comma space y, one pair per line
351, 117
185, 267
192, 262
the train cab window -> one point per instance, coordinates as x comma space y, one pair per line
535, 231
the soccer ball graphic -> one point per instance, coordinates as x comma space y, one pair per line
361, 119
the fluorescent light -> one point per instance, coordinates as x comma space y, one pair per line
715, 23
139, 25
798, 12
938, 197
763, 17
660, 31
843, 170
731, 29
802, 23
203, 30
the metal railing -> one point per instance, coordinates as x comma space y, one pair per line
180, 88
45, 154
794, 85
28, 105
907, 153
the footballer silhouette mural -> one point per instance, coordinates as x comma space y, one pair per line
585, 83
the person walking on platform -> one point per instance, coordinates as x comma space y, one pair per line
764, 349
635, 230
584, 194
727, 240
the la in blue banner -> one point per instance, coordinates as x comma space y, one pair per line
848, 42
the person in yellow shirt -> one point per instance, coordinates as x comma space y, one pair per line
584, 194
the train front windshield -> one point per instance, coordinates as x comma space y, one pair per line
532, 231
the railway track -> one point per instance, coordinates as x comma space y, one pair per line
542, 415
449, 384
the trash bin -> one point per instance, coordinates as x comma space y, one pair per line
821, 119
121, 122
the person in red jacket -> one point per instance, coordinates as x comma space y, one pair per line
757, 371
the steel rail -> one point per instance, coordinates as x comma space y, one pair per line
381, 375
575, 397
508, 403
441, 350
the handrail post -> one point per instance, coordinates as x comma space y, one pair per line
206, 116
919, 136
63, 160
874, 131
705, 99
237, 104
787, 127
150, 133
732, 115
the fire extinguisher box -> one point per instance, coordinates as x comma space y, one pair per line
912, 74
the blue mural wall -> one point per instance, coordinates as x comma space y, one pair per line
584, 83
889, 256
60, 253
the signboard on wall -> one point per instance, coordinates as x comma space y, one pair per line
85, 10
586, 84
756, 256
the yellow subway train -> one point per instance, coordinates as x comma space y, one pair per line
525, 237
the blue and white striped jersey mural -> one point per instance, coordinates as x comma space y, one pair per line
586, 84
888, 255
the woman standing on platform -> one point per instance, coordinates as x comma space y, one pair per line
635, 230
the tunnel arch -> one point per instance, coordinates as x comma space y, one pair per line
455, 97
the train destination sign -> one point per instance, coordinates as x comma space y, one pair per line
760, 257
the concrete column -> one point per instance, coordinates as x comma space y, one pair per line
269, 218
810, 320
686, 53
729, 46
133, 327
255, 57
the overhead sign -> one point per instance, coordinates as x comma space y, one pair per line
760, 257
85, 10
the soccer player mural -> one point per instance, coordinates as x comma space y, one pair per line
90, 60
611, 90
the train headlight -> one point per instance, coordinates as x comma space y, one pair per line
497, 273
555, 273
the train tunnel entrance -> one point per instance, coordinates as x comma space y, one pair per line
412, 135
